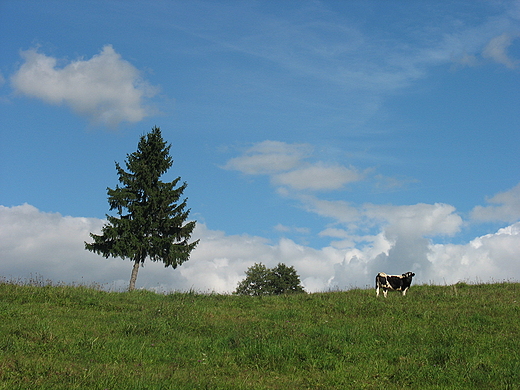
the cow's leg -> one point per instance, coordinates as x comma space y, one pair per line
377, 291
404, 291
385, 291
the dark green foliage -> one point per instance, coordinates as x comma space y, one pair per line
261, 280
151, 216
257, 281
285, 280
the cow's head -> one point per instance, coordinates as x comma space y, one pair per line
408, 275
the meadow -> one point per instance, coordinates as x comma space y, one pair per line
436, 337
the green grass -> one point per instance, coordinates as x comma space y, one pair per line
450, 337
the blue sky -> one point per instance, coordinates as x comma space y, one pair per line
343, 138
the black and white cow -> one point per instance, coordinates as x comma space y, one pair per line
393, 282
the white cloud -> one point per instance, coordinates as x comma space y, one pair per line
105, 88
51, 245
285, 164
340, 211
505, 206
417, 220
408, 220
389, 184
48, 244
334, 232
490, 257
318, 176
287, 229
496, 50
400, 244
269, 157
370, 238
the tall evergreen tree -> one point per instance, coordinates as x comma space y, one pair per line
151, 217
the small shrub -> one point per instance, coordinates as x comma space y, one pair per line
261, 280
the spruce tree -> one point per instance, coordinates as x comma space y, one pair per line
151, 217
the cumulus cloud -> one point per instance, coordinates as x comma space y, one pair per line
492, 256
408, 220
496, 50
402, 242
505, 206
106, 88
417, 220
368, 238
49, 244
33, 242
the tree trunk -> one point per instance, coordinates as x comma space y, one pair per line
133, 278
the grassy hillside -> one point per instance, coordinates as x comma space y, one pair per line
452, 337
